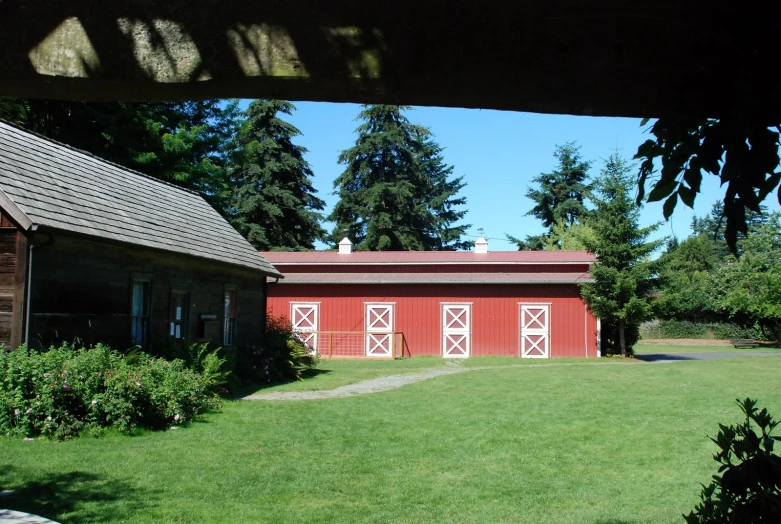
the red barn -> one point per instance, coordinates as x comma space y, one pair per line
448, 303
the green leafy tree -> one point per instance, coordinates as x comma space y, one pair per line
568, 237
274, 204
751, 285
743, 153
395, 192
685, 279
181, 142
623, 272
559, 196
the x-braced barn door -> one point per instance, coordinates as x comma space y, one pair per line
456, 330
379, 330
306, 320
535, 330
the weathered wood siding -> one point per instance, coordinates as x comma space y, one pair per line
7, 277
83, 289
495, 328
13, 253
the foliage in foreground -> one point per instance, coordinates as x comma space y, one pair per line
283, 357
742, 152
748, 488
65, 391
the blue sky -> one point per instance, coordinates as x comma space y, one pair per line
498, 153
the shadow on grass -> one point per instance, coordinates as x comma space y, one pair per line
254, 388
654, 357
76, 496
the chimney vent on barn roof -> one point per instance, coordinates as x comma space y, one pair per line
481, 244
345, 246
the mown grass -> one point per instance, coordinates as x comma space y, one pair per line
597, 441
334, 373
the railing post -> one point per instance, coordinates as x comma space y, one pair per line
330, 345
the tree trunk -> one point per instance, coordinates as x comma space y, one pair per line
621, 336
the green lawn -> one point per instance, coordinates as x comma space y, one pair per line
642, 349
567, 441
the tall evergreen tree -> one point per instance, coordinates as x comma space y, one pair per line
444, 199
180, 142
559, 196
274, 204
623, 272
395, 193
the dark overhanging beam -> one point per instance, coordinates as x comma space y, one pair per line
613, 58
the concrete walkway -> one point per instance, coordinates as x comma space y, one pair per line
8, 516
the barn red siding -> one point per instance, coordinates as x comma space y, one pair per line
495, 313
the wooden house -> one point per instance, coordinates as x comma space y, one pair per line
453, 304
95, 252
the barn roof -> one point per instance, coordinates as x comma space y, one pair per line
48, 184
290, 258
436, 278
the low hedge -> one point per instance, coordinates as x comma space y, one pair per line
709, 331
65, 391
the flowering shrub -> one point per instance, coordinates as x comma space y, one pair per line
283, 357
64, 391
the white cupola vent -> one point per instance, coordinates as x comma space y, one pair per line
345, 246
481, 244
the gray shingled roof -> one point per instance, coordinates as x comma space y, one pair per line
59, 187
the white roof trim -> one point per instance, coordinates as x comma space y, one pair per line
10, 207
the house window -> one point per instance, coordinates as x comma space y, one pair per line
229, 329
139, 325
178, 315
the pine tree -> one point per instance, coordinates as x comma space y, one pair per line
559, 196
274, 203
395, 193
622, 274
443, 198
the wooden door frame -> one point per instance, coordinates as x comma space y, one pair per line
442, 328
549, 305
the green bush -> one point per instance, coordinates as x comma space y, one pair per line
283, 357
64, 391
748, 486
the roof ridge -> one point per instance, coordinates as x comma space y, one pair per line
96, 157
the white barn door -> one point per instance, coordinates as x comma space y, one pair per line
379, 330
306, 321
535, 330
456, 330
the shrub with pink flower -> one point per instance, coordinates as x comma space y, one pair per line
102, 390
